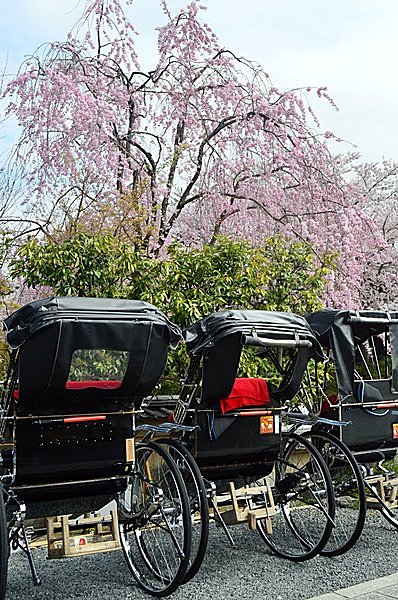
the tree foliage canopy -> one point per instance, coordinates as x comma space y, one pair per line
189, 283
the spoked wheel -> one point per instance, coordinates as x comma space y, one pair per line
304, 501
154, 522
4, 547
349, 490
198, 504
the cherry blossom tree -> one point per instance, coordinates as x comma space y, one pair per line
378, 183
202, 144
378, 187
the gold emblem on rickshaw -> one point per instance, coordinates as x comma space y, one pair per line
266, 424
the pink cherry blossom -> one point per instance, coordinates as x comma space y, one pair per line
201, 144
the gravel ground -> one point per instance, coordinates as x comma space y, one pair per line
246, 571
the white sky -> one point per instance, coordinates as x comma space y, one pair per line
351, 46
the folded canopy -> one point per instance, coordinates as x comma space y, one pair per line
277, 326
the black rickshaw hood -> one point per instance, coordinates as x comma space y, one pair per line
208, 331
32, 317
52, 334
340, 330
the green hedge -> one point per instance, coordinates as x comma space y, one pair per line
187, 284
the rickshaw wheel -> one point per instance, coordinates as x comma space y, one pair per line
199, 507
4, 547
304, 501
154, 522
349, 490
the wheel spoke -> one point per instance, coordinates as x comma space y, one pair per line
155, 524
304, 501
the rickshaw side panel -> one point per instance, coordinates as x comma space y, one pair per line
220, 365
367, 431
233, 440
370, 427
51, 451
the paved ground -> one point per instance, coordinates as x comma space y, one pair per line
384, 588
248, 571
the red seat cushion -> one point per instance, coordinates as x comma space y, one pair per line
328, 403
247, 391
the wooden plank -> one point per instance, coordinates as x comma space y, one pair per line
252, 520
231, 517
251, 491
86, 521
115, 527
65, 535
233, 498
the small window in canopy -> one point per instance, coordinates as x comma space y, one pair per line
97, 368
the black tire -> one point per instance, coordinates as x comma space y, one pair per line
154, 522
349, 490
199, 507
4, 547
304, 501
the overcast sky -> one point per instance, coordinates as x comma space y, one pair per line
351, 46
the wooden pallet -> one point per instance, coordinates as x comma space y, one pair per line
67, 537
386, 487
239, 506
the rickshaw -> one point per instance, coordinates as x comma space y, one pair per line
245, 366
78, 371
360, 388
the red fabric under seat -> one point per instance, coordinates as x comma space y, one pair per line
247, 391
82, 385
101, 385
